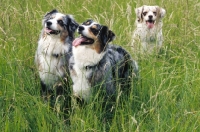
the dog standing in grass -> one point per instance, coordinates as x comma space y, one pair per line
53, 53
97, 65
147, 36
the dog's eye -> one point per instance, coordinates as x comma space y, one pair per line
144, 13
155, 13
94, 31
60, 22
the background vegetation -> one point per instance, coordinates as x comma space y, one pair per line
167, 97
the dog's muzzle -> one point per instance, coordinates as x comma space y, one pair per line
48, 30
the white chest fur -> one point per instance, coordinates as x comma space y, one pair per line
83, 57
148, 35
148, 38
51, 67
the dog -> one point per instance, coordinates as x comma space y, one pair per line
98, 65
147, 36
53, 53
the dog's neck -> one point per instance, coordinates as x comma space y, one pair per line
45, 35
54, 46
143, 30
86, 57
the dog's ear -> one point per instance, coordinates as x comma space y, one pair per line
106, 35
72, 25
161, 11
138, 12
47, 15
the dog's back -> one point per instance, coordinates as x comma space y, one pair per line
116, 67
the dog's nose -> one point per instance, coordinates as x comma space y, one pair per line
150, 16
80, 28
49, 23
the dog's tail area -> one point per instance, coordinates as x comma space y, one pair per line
125, 69
130, 66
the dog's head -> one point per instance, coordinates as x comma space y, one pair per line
56, 23
150, 15
93, 35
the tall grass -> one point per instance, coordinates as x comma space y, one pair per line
167, 97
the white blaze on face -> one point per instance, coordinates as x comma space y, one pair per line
150, 11
85, 32
54, 21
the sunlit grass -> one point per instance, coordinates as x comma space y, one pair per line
165, 99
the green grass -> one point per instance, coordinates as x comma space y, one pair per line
167, 97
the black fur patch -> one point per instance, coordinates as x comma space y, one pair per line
71, 25
105, 36
48, 15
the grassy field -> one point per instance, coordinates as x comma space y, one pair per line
167, 97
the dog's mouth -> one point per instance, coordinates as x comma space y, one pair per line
50, 31
150, 23
82, 40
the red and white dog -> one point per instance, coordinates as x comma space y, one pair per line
147, 36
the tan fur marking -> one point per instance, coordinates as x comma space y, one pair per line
44, 34
92, 35
63, 35
94, 26
142, 14
158, 15
53, 16
96, 46
87, 23
39, 66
